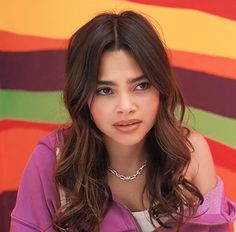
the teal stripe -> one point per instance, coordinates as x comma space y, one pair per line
48, 107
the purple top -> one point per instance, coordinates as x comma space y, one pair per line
38, 199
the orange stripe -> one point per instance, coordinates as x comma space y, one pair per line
17, 140
229, 178
222, 67
15, 42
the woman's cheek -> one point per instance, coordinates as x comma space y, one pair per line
151, 99
100, 110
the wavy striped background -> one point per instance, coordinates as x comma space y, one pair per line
200, 37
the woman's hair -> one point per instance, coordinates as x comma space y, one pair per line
82, 167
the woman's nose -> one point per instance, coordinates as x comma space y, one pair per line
126, 104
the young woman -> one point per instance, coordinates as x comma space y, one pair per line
127, 162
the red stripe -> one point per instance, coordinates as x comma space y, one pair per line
223, 155
220, 66
15, 42
11, 124
226, 8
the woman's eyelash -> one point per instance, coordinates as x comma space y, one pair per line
98, 92
146, 84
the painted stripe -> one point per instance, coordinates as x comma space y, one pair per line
224, 9
15, 42
7, 202
196, 85
223, 155
51, 77
212, 126
219, 66
9, 124
35, 71
48, 107
229, 178
25, 136
185, 30
33, 106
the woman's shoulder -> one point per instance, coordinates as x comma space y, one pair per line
201, 170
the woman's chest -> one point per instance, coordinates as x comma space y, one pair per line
130, 194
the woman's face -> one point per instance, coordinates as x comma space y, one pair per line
125, 104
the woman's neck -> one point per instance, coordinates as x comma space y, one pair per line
126, 159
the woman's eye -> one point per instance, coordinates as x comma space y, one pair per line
144, 85
108, 91
105, 91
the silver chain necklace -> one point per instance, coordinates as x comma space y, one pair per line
131, 177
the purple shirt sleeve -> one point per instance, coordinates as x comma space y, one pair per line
37, 197
216, 208
215, 213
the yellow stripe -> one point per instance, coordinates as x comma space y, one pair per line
185, 30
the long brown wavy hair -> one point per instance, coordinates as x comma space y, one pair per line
83, 164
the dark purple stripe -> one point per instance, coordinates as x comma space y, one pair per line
35, 71
44, 71
7, 203
208, 92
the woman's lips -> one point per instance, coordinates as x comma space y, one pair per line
128, 128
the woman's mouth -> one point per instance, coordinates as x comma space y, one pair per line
130, 127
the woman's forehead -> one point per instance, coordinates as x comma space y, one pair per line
117, 65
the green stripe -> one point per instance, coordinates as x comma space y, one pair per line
48, 107
212, 125
32, 106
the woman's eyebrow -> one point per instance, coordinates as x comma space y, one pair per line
129, 81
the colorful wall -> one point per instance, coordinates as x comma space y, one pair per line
200, 36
